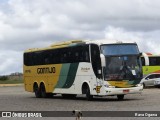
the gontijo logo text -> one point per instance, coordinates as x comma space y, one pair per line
46, 70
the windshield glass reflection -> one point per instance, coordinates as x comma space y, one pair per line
123, 67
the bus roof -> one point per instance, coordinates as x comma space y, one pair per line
58, 45
108, 41
77, 42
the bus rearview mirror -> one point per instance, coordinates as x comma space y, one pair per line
103, 60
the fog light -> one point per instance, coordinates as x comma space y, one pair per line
109, 86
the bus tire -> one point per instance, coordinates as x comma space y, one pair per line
36, 91
43, 91
120, 97
88, 95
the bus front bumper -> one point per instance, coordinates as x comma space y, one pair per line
124, 91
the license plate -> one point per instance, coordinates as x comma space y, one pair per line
126, 91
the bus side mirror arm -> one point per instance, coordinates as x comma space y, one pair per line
140, 54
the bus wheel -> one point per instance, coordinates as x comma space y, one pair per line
88, 95
120, 97
43, 91
37, 91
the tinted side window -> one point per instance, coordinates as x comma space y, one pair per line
25, 59
79, 53
153, 61
28, 59
57, 56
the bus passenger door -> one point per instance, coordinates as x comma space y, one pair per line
96, 65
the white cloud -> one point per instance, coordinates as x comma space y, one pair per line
11, 61
147, 41
38, 23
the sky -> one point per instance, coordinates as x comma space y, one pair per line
39, 23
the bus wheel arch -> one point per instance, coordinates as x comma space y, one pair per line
36, 90
86, 90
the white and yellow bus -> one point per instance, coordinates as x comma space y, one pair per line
93, 68
150, 63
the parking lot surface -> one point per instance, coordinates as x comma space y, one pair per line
16, 99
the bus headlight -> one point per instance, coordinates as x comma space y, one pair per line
109, 86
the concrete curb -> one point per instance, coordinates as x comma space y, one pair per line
10, 85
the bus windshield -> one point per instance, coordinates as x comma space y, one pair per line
122, 62
123, 68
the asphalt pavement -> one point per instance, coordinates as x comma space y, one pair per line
15, 98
